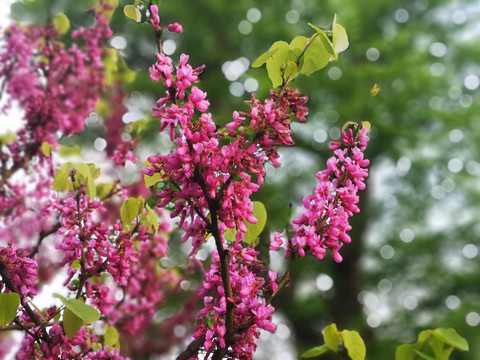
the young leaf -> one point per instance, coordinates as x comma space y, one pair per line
129, 211
291, 70
9, 304
375, 90
46, 148
61, 23
103, 190
276, 63
440, 351
299, 43
66, 151
153, 218
85, 312
60, 181
354, 344
422, 355
366, 125
404, 352
111, 336
71, 323
262, 59
332, 337
7, 137
260, 213
340, 38
40, 312
316, 351
88, 174
450, 337
318, 54
152, 180
132, 12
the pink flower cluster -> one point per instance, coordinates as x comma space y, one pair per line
59, 346
248, 305
91, 248
324, 223
147, 288
214, 169
57, 87
209, 178
20, 269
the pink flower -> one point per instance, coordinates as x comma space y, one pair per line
324, 223
175, 27
277, 241
155, 20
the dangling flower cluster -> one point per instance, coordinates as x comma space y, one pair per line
57, 87
211, 168
59, 346
96, 248
209, 178
19, 269
324, 223
148, 287
249, 307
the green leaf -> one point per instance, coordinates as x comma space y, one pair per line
253, 230
316, 351
153, 218
88, 171
132, 12
262, 59
46, 148
7, 137
40, 312
111, 336
9, 304
152, 180
332, 337
340, 38
61, 23
298, 43
71, 323
129, 211
366, 125
85, 312
276, 63
354, 344
422, 355
441, 351
291, 70
229, 234
66, 151
449, 336
318, 54
60, 181
404, 352
103, 190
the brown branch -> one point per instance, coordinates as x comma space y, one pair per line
11, 286
192, 349
30, 150
42, 236
158, 31
222, 253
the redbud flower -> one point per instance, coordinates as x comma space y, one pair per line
324, 223
175, 27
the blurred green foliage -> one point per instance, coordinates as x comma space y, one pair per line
413, 262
